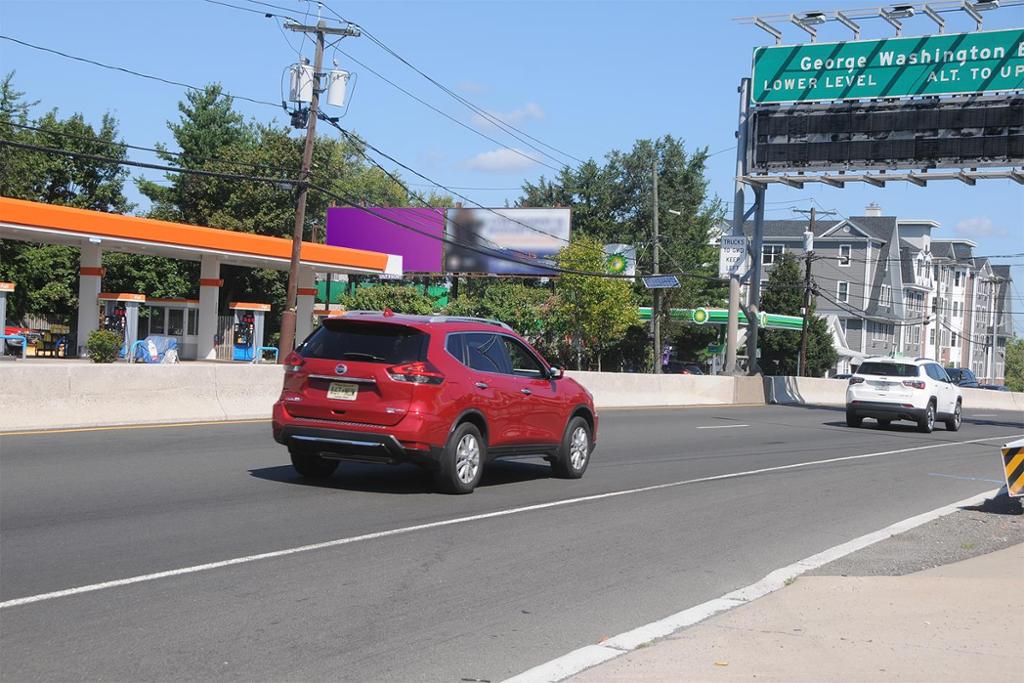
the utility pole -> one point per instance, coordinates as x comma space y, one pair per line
808, 257
321, 29
656, 308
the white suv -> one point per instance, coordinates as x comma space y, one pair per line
888, 389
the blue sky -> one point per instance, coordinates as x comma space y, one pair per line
585, 77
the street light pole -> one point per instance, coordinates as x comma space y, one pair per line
656, 308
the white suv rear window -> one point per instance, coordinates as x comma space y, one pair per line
888, 369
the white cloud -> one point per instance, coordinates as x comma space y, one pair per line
529, 111
472, 87
979, 227
500, 161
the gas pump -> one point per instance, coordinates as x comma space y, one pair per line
121, 316
247, 333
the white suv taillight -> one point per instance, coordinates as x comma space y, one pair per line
914, 383
856, 380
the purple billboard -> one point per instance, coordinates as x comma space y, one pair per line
413, 233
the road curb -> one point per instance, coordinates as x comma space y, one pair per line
574, 662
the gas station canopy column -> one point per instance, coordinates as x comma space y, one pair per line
304, 304
90, 282
5, 287
209, 303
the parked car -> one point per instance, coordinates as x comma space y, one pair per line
994, 387
962, 377
675, 367
888, 389
449, 394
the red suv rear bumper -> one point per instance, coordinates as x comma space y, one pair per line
417, 439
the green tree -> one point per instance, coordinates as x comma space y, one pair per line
399, 298
589, 314
780, 349
212, 136
520, 306
46, 274
613, 202
1014, 366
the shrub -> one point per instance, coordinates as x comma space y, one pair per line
103, 346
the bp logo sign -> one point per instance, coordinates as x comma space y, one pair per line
617, 264
700, 316
620, 259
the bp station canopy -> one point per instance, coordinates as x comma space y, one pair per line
720, 316
37, 222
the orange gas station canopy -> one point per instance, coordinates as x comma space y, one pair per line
37, 222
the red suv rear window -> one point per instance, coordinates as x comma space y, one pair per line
370, 342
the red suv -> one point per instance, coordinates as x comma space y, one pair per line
446, 393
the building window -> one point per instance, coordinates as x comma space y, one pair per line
956, 280
931, 337
770, 253
844, 254
885, 300
843, 291
193, 322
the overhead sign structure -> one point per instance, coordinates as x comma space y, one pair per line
944, 64
660, 281
732, 257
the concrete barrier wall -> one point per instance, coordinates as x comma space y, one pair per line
63, 395
805, 391
624, 390
41, 396
832, 392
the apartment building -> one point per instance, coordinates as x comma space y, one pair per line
887, 287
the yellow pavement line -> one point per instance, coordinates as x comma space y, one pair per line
169, 425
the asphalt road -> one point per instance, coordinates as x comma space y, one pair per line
482, 598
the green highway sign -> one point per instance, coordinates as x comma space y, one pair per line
945, 64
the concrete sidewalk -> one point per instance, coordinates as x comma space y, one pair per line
958, 622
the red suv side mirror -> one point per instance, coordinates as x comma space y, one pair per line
556, 373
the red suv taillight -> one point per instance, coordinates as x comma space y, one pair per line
416, 373
856, 380
293, 362
914, 383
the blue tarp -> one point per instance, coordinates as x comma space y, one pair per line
154, 348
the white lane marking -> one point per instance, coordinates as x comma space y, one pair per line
721, 426
984, 415
458, 520
586, 657
955, 476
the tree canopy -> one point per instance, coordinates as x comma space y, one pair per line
780, 349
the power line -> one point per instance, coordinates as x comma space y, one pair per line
155, 150
504, 125
359, 142
448, 116
132, 72
347, 199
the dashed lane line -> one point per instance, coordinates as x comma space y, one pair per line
248, 559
